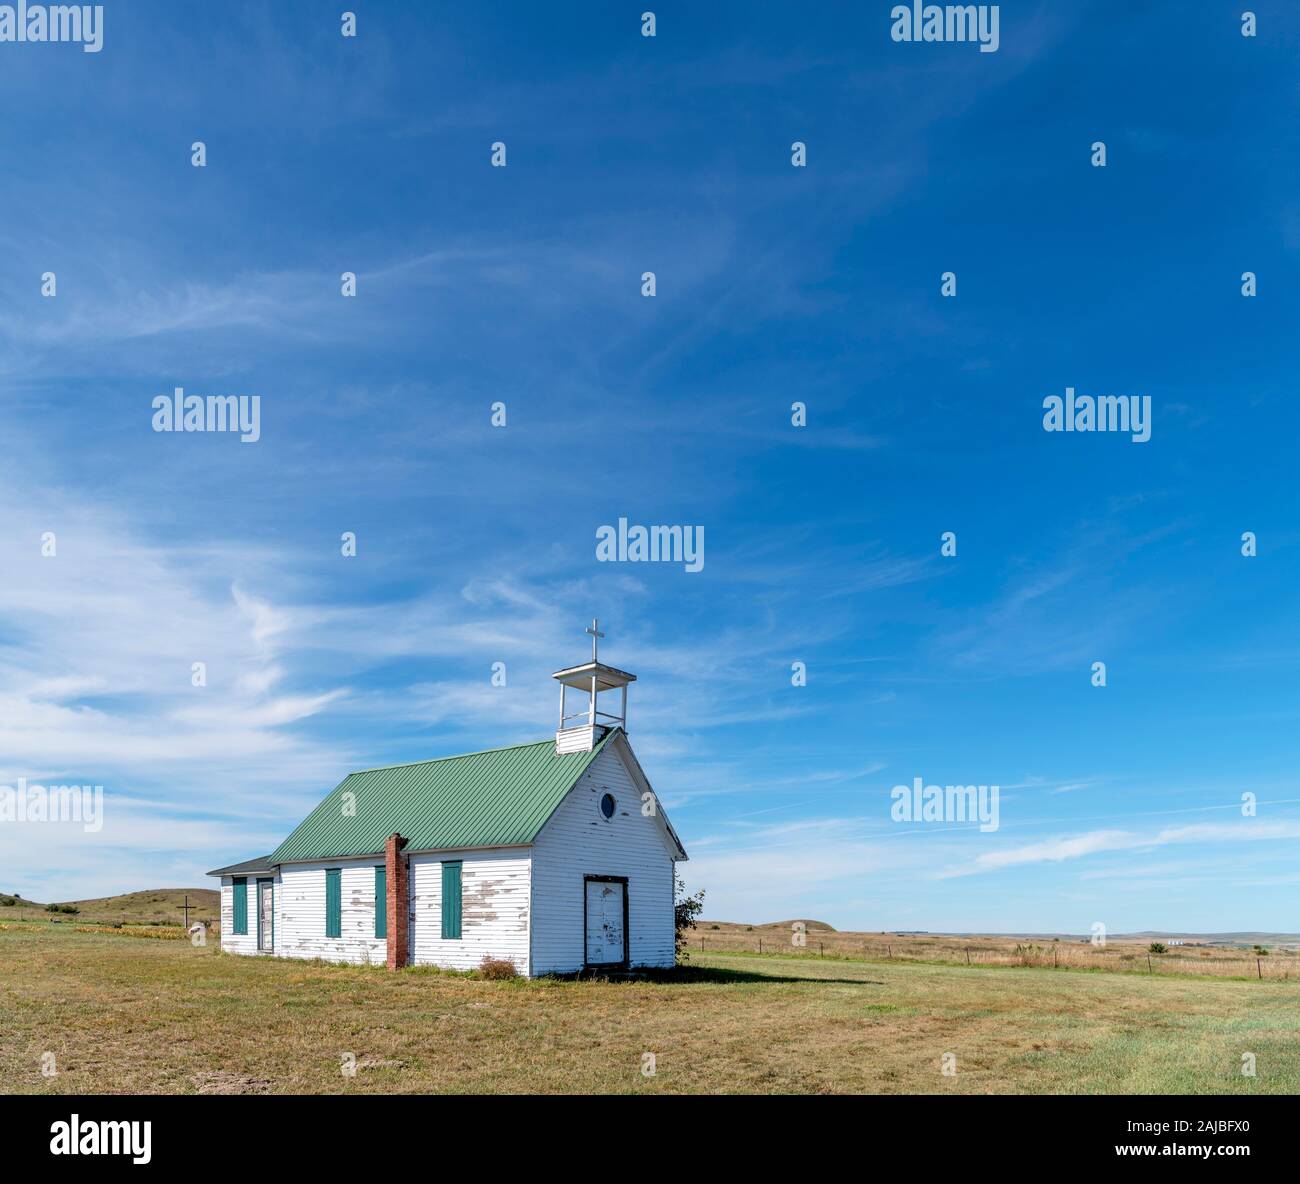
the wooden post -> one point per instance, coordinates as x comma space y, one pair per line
1149, 964
968, 955
1259, 968
760, 945
889, 950
186, 907
821, 948
1054, 951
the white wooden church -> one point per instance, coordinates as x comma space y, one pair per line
556, 856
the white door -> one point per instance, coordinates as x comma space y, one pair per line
606, 936
265, 914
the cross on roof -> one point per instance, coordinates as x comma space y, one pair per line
595, 632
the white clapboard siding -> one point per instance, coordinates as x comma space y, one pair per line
232, 942
577, 842
494, 909
580, 739
300, 913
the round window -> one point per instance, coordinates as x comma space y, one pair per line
607, 805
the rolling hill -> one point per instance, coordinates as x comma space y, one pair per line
152, 906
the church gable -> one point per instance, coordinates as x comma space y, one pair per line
614, 789
601, 848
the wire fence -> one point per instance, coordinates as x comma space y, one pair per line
1282, 965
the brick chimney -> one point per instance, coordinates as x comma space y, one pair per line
397, 893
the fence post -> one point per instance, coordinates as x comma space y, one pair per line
1259, 968
1149, 971
760, 945
821, 949
968, 955
1054, 953
889, 950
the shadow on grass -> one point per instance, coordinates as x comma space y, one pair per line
718, 974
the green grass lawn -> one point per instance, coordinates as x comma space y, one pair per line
121, 1014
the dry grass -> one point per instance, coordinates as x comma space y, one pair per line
1118, 956
151, 932
124, 1016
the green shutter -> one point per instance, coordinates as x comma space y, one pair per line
241, 905
333, 902
451, 899
381, 902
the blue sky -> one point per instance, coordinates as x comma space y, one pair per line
774, 284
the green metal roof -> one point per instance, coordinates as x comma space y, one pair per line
498, 798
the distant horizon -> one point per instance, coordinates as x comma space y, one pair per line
703, 922
1141, 933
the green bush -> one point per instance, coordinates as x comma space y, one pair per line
1156, 947
685, 910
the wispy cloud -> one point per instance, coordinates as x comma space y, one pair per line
1059, 849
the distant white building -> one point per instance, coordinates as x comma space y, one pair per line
556, 856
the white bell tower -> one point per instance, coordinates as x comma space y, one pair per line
581, 730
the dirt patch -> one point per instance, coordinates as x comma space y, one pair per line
218, 1081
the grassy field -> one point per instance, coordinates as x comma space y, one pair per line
126, 1015
1118, 955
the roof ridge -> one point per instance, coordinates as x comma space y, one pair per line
456, 756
